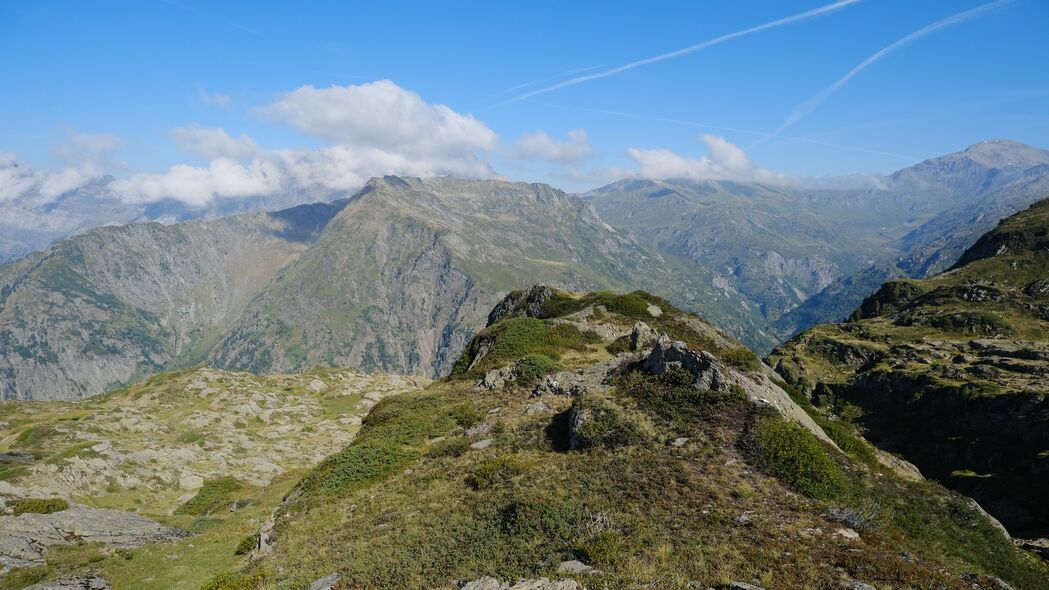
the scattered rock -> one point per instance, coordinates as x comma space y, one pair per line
573, 567
680, 442
849, 534
490, 583
190, 481
479, 429
482, 444
857, 585
317, 386
536, 408
743, 586
328, 582
654, 311
483, 583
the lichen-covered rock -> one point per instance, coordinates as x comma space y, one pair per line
641, 336
73, 583
525, 303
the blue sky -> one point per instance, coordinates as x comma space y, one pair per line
133, 72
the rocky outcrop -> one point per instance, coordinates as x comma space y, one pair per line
709, 372
25, 539
527, 303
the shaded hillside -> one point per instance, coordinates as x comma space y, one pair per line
952, 371
576, 442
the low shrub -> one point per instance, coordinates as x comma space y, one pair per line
533, 367
449, 447
39, 505
33, 436
358, 465
247, 544
214, 495
673, 399
500, 470
606, 426
794, 455
466, 415
619, 345
236, 581
742, 358
23, 577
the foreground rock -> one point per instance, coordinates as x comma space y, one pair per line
489, 583
25, 539
73, 583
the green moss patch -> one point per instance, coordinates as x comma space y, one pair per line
214, 495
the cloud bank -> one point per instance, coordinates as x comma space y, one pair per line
541, 146
725, 161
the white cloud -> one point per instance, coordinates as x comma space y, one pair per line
16, 178
539, 145
384, 116
87, 151
213, 99
85, 157
214, 143
197, 187
725, 162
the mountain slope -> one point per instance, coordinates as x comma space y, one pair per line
574, 443
951, 371
407, 271
809, 251
117, 303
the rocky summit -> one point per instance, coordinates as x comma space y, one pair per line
951, 372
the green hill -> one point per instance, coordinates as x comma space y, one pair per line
952, 372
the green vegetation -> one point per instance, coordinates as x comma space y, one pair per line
533, 367
672, 399
607, 425
34, 436
515, 338
389, 440
795, 456
742, 358
39, 505
84, 450
216, 494
247, 544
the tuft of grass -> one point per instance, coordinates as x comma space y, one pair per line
83, 450
236, 581
34, 436
498, 471
214, 495
742, 358
23, 577
39, 505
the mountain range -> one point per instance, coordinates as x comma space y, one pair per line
398, 276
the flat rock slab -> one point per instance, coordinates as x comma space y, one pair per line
73, 583
24, 539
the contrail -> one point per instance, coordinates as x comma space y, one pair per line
691, 49
814, 102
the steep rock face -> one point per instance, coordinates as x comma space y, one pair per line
118, 303
951, 371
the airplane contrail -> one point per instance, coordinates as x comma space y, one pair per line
814, 102
691, 49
